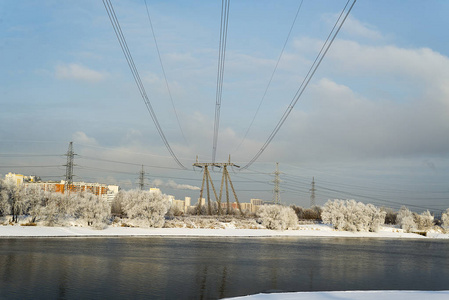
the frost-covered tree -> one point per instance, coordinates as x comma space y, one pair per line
116, 206
5, 206
37, 200
16, 198
277, 217
376, 217
334, 213
92, 209
424, 220
145, 208
445, 219
57, 208
351, 215
406, 220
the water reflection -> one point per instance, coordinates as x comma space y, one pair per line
199, 268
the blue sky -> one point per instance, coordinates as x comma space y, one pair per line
372, 125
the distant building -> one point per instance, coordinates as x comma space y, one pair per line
179, 204
187, 201
155, 190
171, 199
112, 192
106, 192
16, 179
255, 204
251, 206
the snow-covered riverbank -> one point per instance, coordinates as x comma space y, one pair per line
317, 230
352, 295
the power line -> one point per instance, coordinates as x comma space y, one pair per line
128, 163
220, 71
27, 155
272, 75
121, 39
372, 198
105, 170
18, 166
163, 71
305, 82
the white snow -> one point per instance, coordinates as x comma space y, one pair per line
352, 295
317, 230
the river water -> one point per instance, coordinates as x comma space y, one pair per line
210, 268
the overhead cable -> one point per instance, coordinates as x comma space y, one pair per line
272, 75
121, 39
220, 71
163, 71
126, 163
327, 44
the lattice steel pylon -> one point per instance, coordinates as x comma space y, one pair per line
225, 180
142, 179
69, 168
312, 193
277, 189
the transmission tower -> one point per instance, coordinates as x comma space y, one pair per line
277, 190
312, 193
225, 179
69, 168
142, 179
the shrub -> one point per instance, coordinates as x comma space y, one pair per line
299, 211
390, 217
145, 208
406, 220
350, 215
93, 210
445, 219
278, 217
424, 220
313, 213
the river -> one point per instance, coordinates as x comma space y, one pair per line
210, 268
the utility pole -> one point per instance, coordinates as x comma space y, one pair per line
277, 190
142, 179
69, 168
312, 193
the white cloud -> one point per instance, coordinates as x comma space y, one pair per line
345, 125
78, 72
356, 28
82, 138
157, 182
422, 63
173, 185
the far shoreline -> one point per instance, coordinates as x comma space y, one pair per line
306, 231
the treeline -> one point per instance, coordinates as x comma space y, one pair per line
55, 209
52, 209
350, 215
148, 209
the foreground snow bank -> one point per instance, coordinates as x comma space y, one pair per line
352, 295
317, 230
